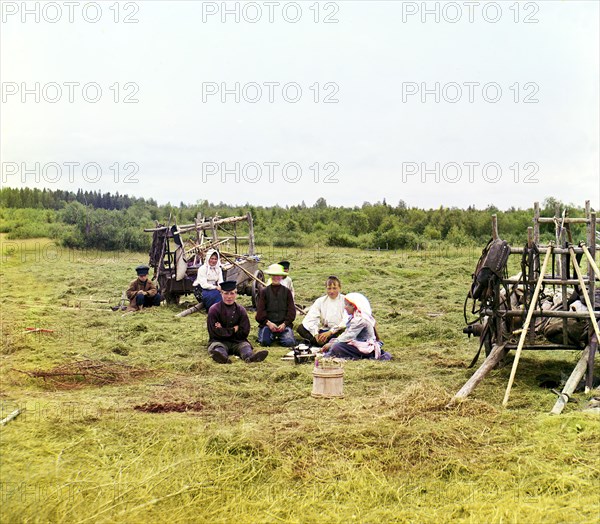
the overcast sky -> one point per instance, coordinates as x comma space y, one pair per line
433, 103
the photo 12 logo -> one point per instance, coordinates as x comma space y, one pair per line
470, 172
269, 92
71, 172
469, 12
270, 12
69, 92
69, 12
270, 172
469, 92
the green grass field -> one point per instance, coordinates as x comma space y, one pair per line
259, 448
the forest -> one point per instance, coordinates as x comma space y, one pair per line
115, 222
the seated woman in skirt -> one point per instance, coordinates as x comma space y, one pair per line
207, 287
360, 338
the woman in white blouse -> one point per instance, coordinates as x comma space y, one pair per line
209, 276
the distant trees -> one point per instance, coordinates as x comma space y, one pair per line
98, 220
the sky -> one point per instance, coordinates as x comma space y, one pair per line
434, 103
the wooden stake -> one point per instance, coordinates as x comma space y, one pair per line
488, 364
525, 326
571, 383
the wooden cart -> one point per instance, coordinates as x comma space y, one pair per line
178, 251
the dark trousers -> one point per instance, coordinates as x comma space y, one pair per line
349, 352
146, 301
266, 337
306, 334
241, 349
210, 297
344, 350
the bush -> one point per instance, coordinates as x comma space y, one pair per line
341, 240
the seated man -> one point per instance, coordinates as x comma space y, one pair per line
142, 292
275, 311
326, 316
287, 280
228, 329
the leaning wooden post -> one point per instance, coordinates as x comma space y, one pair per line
530, 274
10, 417
526, 325
591, 261
494, 227
571, 383
592, 272
585, 293
536, 222
190, 311
250, 234
489, 363
213, 227
589, 381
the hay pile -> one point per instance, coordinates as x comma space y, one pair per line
87, 373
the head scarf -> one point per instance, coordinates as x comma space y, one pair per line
363, 308
209, 254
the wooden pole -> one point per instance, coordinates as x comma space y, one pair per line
10, 417
585, 295
497, 353
205, 224
536, 222
298, 308
189, 311
571, 383
591, 261
589, 381
250, 233
231, 261
525, 326
494, 227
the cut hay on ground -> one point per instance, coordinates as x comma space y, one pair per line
87, 373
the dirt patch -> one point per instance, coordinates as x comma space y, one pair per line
166, 407
87, 373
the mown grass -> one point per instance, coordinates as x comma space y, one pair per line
262, 449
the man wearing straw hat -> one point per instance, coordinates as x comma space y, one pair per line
275, 311
228, 329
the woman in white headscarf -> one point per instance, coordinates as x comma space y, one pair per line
209, 278
360, 339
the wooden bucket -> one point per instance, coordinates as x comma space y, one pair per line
328, 383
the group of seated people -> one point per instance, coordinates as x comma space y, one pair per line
340, 325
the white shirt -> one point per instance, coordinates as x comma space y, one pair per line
209, 276
326, 313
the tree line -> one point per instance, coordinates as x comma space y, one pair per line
96, 220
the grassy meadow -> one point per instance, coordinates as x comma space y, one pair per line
258, 448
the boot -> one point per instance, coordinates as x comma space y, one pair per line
258, 357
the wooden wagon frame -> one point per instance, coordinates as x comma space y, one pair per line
179, 250
496, 317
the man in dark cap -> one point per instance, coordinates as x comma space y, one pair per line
228, 329
142, 292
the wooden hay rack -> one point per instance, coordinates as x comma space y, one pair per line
507, 324
174, 246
